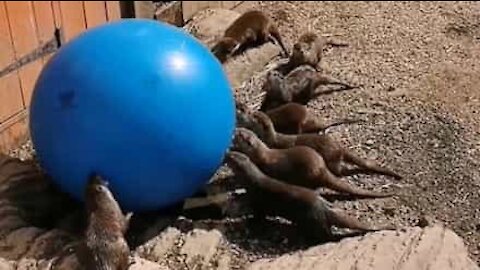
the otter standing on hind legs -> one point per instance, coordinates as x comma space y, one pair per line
252, 28
331, 151
309, 211
297, 165
105, 245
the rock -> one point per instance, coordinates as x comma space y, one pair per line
158, 247
6, 265
18, 242
28, 264
416, 248
210, 24
48, 244
142, 264
424, 221
242, 67
224, 262
200, 246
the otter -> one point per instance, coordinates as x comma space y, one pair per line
297, 165
252, 28
269, 196
105, 245
330, 150
308, 50
299, 86
291, 118
294, 118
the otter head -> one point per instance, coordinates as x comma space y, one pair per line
97, 191
276, 94
263, 127
299, 53
274, 78
238, 161
243, 167
245, 141
224, 48
243, 114
307, 37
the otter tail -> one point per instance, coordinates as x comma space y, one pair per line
368, 166
341, 219
331, 181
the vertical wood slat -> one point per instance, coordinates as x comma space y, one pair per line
73, 18
10, 92
24, 35
45, 19
95, 13
113, 10
57, 14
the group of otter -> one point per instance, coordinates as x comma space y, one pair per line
281, 152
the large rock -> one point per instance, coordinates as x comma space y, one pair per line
415, 249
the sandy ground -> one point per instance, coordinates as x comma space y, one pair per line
420, 64
421, 103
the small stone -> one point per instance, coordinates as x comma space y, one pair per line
423, 222
201, 245
389, 211
369, 142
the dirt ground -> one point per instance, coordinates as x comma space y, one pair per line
420, 64
421, 103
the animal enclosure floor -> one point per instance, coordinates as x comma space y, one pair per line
422, 102
420, 62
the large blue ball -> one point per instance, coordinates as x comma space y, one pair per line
141, 102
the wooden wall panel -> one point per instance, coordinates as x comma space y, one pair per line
57, 14
113, 10
44, 20
11, 101
24, 26
14, 132
73, 18
6, 45
24, 36
95, 13
10, 91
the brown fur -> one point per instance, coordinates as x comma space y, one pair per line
290, 118
299, 86
308, 50
252, 28
269, 196
330, 150
105, 242
297, 165
294, 118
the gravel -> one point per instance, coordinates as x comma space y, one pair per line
419, 62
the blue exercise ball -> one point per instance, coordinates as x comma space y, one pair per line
142, 103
